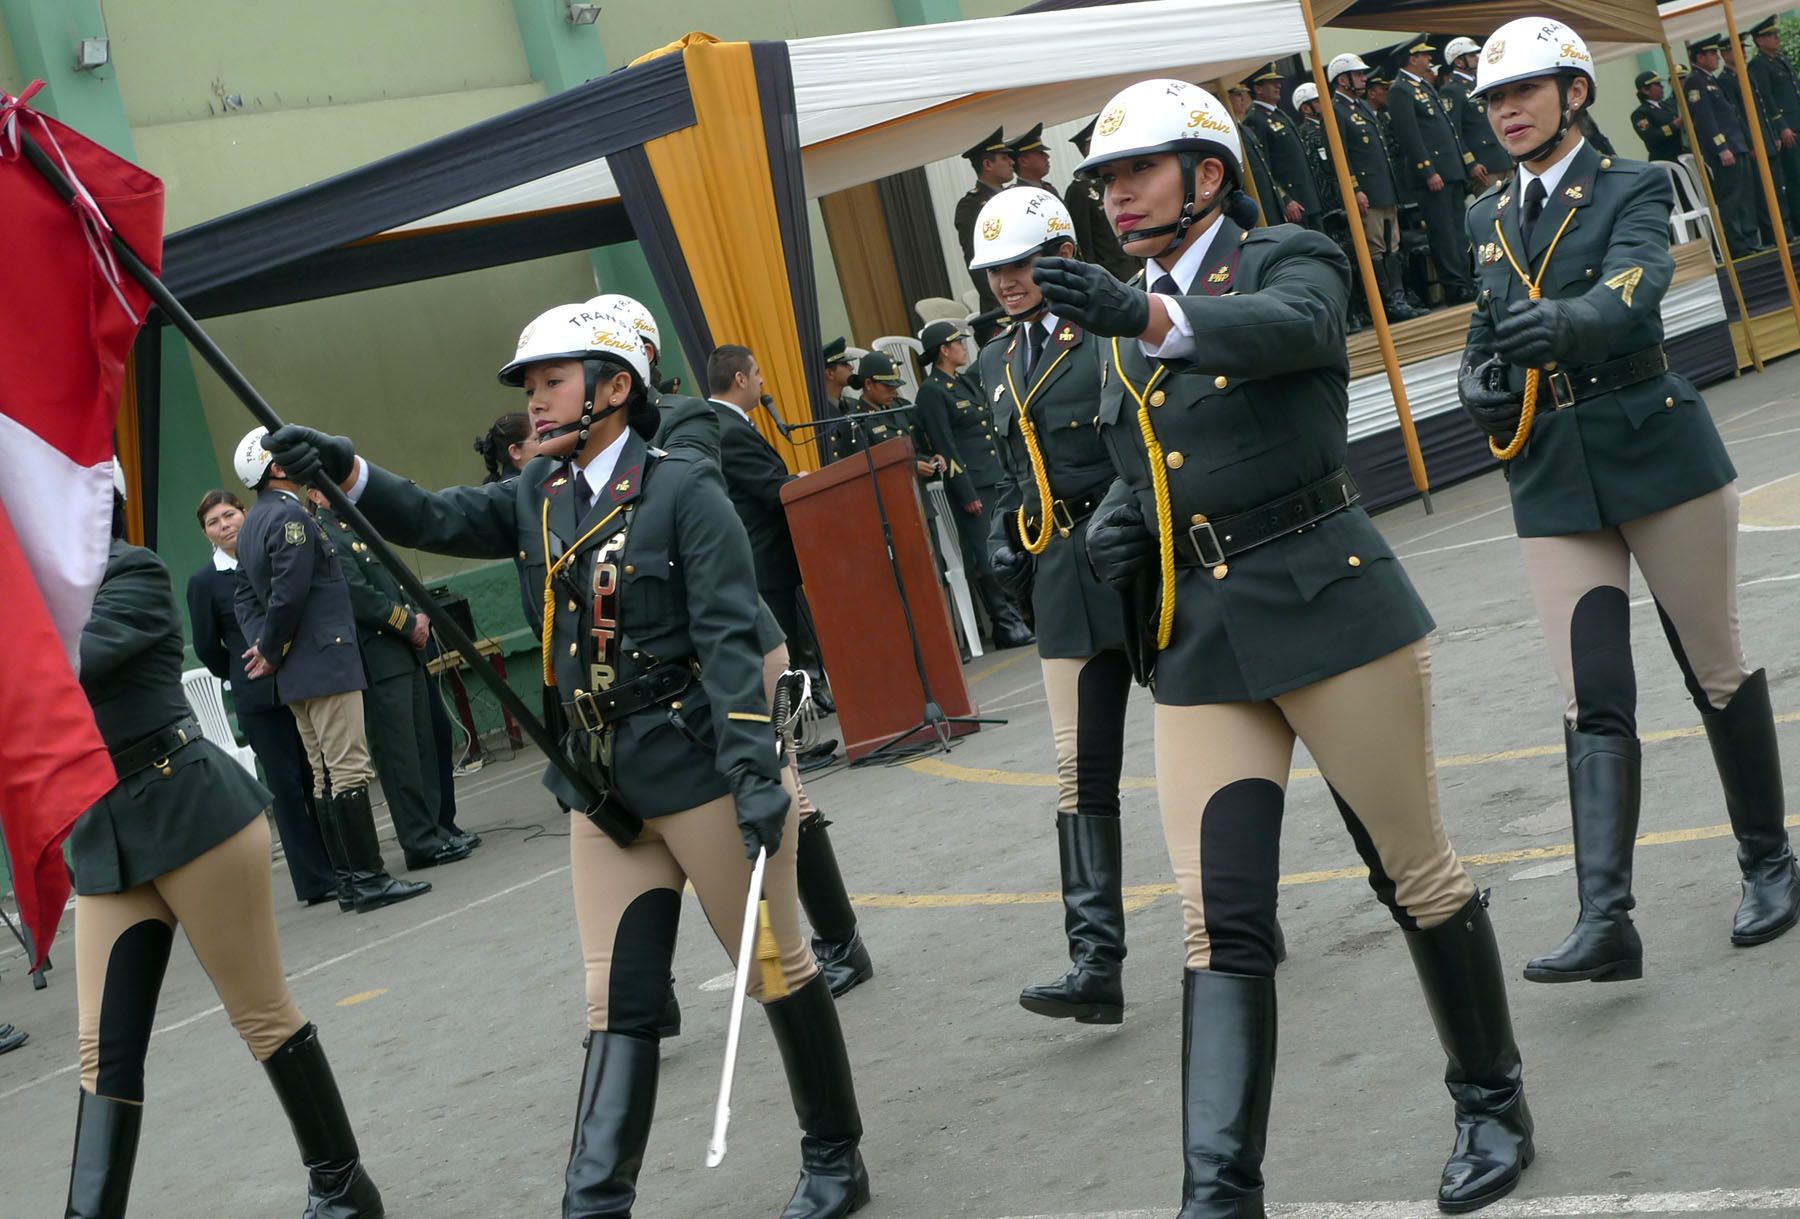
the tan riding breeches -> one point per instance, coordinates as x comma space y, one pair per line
1382, 227
1087, 698
628, 905
336, 741
225, 901
1221, 779
1581, 584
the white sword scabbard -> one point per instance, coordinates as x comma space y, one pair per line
715, 1150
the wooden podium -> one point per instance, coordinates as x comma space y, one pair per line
856, 606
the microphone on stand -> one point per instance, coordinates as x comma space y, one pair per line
786, 429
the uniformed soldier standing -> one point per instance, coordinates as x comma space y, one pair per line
1613, 457
1271, 197
957, 396
1335, 220
838, 370
1435, 166
651, 634
181, 839
1469, 116
1273, 610
1031, 159
294, 608
1372, 173
1093, 233
992, 161
1045, 392
1657, 122
1720, 135
1287, 155
1778, 98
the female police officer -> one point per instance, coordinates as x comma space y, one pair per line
650, 633
1275, 611
1611, 457
1044, 399
181, 839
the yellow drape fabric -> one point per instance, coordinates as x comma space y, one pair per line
731, 238
125, 443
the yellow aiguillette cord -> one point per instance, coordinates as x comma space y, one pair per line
550, 593
1159, 483
1533, 376
1039, 472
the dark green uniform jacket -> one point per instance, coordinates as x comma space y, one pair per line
1269, 195
1469, 116
1777, 92
1258, 413
1617, 456
384, 619
687, 591
1074, 613
1287, 157
1659, 126
161, 817
1364, 143
971, 426
934, 410
1318, 159
1425, 141
1718, 125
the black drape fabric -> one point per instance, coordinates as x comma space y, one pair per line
662, 250
146, 355
913, 233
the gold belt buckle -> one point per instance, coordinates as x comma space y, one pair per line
1059, 512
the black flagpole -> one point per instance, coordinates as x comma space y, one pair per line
621, 825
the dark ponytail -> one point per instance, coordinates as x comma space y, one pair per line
1240, 208
495, 444
643, 413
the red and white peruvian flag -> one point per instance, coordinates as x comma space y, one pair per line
71, 318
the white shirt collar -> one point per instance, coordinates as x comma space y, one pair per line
741, 412
1269, 106
1187, 267
1463, 74
1413, 75
1049, 322
223, 561
1553, 176
598, 470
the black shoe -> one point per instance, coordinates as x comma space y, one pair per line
837, 944
336, 1185
1093, 991
1014, 634
612, 1125
1227, 1075
833, 1180
12, 1038
106, 1142
319, 899
669, 1023
1749, 762
1458, 964
371, 887
453, 850
1603, 797
325, 812
821, 698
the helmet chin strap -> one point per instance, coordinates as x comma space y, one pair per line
1189, 217
1562, 127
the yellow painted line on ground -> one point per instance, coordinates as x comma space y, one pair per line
1019, 656
362, 997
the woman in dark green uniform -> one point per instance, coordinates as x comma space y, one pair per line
1611, 457
649, 631
1044, 398
1274, 611
180, 840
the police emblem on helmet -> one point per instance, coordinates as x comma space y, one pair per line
1109, 122
991, 229
1496, 52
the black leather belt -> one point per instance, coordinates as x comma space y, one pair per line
157, 748
1568, 388
1066, 512
1210, 542
657, 684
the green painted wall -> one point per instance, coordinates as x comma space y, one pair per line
629, 29
12, 80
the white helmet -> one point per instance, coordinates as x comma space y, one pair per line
1349, 61
1018, 223
1305, 92
251, 460
1163, 115
633, 310
1459, 47
576, 332
1528, 47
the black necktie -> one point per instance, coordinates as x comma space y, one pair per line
1534, 206
1035, 337
584, 498
1166, 286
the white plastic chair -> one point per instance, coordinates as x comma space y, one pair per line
1689, 218
938, 309
950, 544
904, 351
206, 696
972, 299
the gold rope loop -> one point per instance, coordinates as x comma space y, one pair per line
547, 656
1159, 484
1039, 471
1533, 376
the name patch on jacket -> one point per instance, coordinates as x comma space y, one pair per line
603, 671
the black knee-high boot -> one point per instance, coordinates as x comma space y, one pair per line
1227, 1076
833, 1180
371, 887
612, 1126
1749, 761
325, 813
337, 1187
106, 1143
1603, 798
1093, 991
836, 942
1458, 964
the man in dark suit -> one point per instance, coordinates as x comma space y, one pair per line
220, 646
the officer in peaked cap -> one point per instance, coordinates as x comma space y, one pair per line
1469, 115
1031, 159
838, 370
1778, 101
1282, 144
992, 161
1657, 121
1434, 165
1722, 140
1093, 231
1270, 198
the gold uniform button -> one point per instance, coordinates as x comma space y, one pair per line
675, 706
1074, 423
574, 608
1220, 382
1199, 518
630, 569
1355, 562
1669, 403
1221, 571
1175, 460
571, 649
1606, 163
339, 639
1158, 398
521, 555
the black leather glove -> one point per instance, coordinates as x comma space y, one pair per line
1481, 386
303, 453
762, 809
1119, 542
1534, 334
1013, 568
1089, 296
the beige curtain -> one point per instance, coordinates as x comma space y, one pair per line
857, 229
